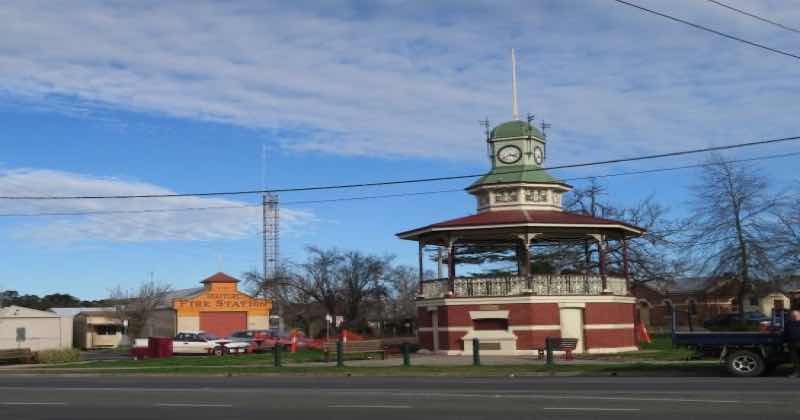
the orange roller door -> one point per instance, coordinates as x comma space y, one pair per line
222, 324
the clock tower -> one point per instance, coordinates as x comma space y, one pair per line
518, 179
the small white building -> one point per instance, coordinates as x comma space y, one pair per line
37, 330
94, 328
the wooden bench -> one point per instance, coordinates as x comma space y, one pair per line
567, 345
19, 355
361, 346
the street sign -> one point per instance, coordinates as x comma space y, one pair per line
339, 321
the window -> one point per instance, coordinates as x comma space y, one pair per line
21, 333
107, 329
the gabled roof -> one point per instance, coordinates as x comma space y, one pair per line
14, 311
515, 218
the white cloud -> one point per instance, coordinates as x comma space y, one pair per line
230, 219
413, 78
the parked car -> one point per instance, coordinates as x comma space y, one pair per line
205, 343
752, 320
268, 339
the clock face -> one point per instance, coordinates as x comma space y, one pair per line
509, 154
538, 155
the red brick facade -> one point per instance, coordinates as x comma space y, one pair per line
607, 325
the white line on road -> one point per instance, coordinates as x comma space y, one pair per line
31, 403
590, 409
368, 406
201, 405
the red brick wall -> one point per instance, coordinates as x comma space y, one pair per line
533, 314
424, 318
451, 340
529, 340
609, 338
425, 339
608, 313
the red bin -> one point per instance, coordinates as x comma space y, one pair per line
159, 347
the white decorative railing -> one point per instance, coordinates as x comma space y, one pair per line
539, 285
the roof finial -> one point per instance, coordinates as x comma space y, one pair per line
514, 108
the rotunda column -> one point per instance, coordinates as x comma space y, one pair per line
601, 261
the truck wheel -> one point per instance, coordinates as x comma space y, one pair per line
746, 363
218, 351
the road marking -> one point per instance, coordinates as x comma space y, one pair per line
590, 409
369, 406
31, 403
201, 405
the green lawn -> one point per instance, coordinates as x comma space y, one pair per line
249, 359
661, 348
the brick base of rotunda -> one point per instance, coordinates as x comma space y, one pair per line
519, 325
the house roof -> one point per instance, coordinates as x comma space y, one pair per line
220, 278
76, 311
14, 311
515, 218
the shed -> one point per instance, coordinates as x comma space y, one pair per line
37, 330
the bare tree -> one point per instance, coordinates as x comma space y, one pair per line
138, 306
729, 222
648, 257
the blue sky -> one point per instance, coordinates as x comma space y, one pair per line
147, 97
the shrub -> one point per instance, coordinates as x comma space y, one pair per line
57, 356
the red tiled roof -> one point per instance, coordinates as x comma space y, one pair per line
523, 217
220, 278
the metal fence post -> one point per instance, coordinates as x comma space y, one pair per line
406, 355
476, 351
339, 353
548, 345
276, 355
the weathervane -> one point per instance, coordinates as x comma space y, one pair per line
485, 124
545, 126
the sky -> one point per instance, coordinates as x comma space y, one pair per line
141, 97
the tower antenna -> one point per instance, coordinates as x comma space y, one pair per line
514, 107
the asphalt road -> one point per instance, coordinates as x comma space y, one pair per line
198, 397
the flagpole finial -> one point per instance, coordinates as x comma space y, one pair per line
514, 107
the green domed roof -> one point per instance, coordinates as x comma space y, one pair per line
515, 129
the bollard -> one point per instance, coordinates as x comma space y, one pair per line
339, 353
476, 351
406, 355
276, 355
548, 346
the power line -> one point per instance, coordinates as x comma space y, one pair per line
754, 16
412, 181
707, 29
380, 196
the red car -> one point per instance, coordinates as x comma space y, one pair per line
262, 340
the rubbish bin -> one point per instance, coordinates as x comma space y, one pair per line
159, 347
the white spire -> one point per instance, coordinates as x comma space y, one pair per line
514, 108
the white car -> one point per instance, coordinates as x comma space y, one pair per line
205, 343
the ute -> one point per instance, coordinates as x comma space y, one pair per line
744, 353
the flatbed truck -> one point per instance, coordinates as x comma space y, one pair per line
745, 353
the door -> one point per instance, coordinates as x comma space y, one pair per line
223, 324
572, 326
182, 344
